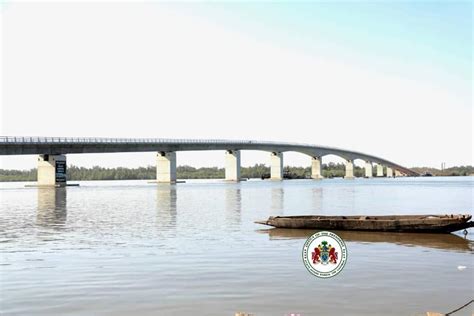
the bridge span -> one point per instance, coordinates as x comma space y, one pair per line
52, 155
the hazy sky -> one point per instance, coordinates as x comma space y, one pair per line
392, 79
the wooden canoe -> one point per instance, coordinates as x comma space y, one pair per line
384, 223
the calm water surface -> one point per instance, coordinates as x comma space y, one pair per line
129, 247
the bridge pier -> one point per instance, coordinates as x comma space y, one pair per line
52, 170
349, 169
379, 170
398, 173
166, 167
368, 169
276, 166
389, 172
316, 168
232, 165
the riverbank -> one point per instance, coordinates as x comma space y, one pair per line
330, 170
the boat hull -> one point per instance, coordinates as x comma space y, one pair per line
410, 223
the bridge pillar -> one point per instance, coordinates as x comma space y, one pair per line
232, 165
379, 170
368, 169
166, 167
316, 168
398, 173
52, 170
276, 166
389, 172
349, 170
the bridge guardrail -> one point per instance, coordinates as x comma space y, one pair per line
56, 140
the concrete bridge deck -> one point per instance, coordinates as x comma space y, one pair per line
11, 145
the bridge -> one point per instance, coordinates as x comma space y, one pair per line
52, 152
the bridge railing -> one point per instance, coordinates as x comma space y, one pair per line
73, 140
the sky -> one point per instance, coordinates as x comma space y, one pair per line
391, 79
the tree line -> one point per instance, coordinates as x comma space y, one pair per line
330, 170
453, 171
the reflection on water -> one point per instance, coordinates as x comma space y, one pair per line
52, 211
317, 198
278, 199
437, 241
166, 206
233, 205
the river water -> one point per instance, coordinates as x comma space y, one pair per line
130, 247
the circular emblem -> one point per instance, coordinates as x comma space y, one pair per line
324, 254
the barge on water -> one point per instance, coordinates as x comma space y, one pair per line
383, 223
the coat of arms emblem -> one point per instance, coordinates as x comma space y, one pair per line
324, 253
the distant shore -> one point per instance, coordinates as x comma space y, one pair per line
330, 170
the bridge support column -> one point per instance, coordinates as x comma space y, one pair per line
276, 166
389, 172
398, 173
166, 167
52, 170
232, 165
316, 168
368, 169
349, 170
379, 170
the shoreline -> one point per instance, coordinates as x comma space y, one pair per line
242, 180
